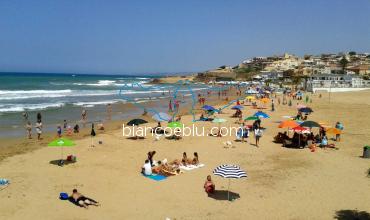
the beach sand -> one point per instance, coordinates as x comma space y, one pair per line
282, 183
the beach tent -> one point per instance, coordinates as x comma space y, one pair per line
61, 142
229, 172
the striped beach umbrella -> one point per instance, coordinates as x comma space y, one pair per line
229, 172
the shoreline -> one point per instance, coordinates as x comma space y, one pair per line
12, 146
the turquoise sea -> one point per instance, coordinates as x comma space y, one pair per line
63, 96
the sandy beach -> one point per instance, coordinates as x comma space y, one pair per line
282, 183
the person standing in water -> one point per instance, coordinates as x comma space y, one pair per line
38, 127
84, 116
29, 130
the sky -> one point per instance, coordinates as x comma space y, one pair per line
166, 36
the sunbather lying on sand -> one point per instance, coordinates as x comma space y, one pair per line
82, 201
165, 169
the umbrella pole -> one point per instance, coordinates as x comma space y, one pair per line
228, 191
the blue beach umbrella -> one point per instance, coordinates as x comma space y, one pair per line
261, 114
161, 116
209, 108
237, 107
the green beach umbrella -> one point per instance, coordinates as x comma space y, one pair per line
61, 142
251, 118
219, 120
174, 124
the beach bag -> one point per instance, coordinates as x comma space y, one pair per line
4, 182
259, 133
63, 196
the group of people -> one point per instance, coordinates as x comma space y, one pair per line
167, 168
38, 125
243, 132
300, 140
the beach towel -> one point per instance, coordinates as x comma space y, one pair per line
191, 167
156, 177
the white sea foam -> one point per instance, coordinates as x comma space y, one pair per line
24, 107
31, 94
92, 104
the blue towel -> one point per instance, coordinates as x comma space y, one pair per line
156, 177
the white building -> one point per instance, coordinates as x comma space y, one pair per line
338, 82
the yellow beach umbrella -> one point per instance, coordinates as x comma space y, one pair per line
250, 97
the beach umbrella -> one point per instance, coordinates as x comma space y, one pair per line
251, 118
333, 131
288, 124
174, 124
301, 106
137, 121
229, 172
261, 114
161, 116
310, 124
61, 142
209, 108
265, 100
219, 121
300, 129
306, 110
250, 97
237, 107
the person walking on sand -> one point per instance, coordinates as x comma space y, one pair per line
59, 131
109, 111
38, 127
272, 106
257, 135
29, 130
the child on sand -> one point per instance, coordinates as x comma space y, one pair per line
209, 186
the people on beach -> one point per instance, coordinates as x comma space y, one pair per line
84, 116
25, 116
76, 129
38, 117
257, 135
38, 127
81, 200
65, 125
195, 160
340, 127
147, 168
150, 157
209, 186
29, 130
59, 131
109, 111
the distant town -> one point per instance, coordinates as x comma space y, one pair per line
341, 71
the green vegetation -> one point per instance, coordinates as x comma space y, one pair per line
352, 53
343, 62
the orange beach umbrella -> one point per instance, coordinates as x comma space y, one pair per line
288, 124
